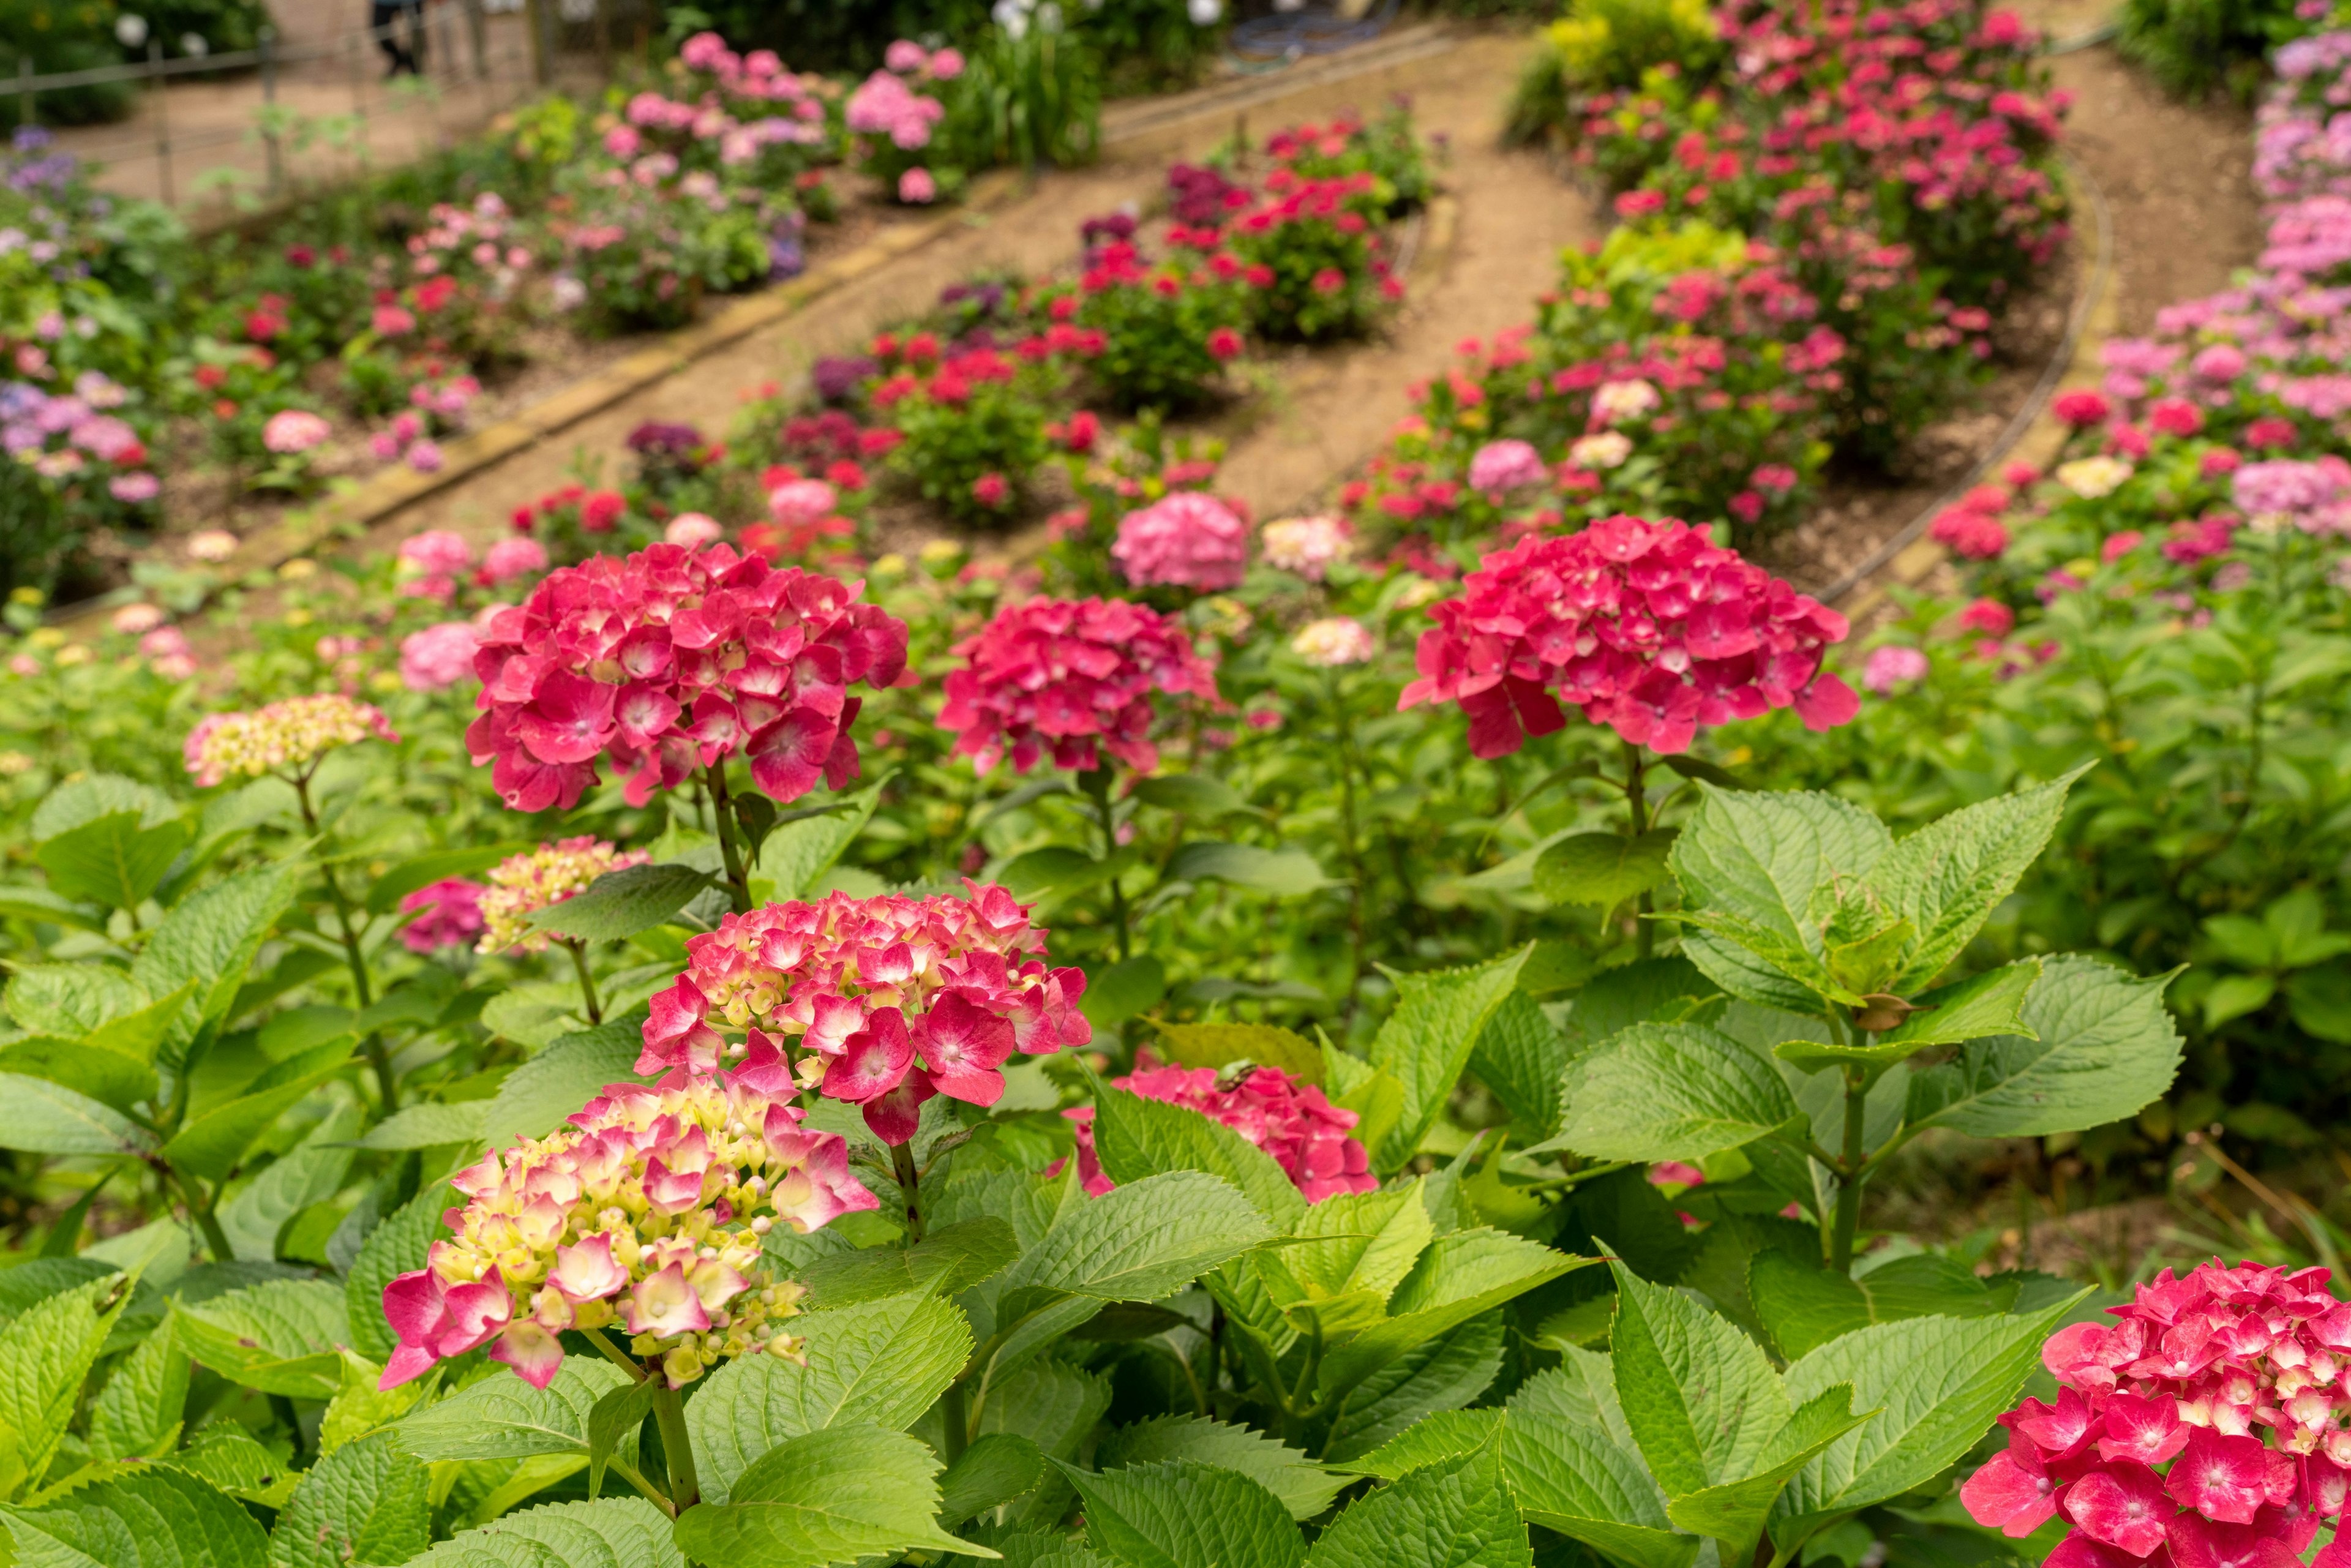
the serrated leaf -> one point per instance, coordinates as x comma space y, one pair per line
1986, 1004
878, 1363
38, 903
1456, 1278
1425, 1043
1137, 1138
832, 1495
425, 870
363, 1506
1519, 1055
2106, 1048
948, 1259
211, 938
46, 1118
1116, 992
281, 1336
152, 1517
1180, 1513
1444, 1372
616, 1533
139, 1408
1455, 1513
109, 1077
536, 1096
70, 1000
1194, 794
1602, 869
798, 854
1443, 1436
111, 860
1733, 1512
1660, 1091
1948, 877
235, 1461
83, 799
395, 1247
503, 1417
995, 1468
139, 1034
1572, 1472
1750, 864
1698, 1395
1219, 1045
613, 1420
1304, 1487
1285, 874
214, 1143
46, 1352
1803, 1308
1142, 1240
1355, 1244
427, 1125
620, 904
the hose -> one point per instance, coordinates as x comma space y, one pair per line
1268, 43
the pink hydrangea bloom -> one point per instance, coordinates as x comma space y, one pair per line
2227, 1379
1649, 628
693, 529
1308, 1136
1978, 536
512, 557
448, 915
295, 430
1502, 465
436, 552
1072, 678
647, 1212
1891, 667
1184, 539
881, 1002
669, 661
1307, 546
797, 503
293, 734
438, 656
917, 188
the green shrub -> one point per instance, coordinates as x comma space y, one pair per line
2193, 47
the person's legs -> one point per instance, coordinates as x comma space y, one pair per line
384, 15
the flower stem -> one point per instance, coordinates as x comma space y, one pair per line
1847, 1220
910, 1188
677, 1447
1350, 842
587, 981
1096, 781
1636, 803
730, 844
378, 1057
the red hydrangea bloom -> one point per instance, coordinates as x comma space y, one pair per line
1307, 1135
668, 661
2202, 1430
1649, 628
1074, 678
2080, 408
882, 1003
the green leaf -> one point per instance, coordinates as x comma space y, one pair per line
279, 1336
1426, 1041
1117, 992
616, 1533
1803, 1308
2235, 995
1758, 858
1219, 1045
1669, 1091
395, 1247
1456, 1514
1285, 874
111, 860
1444, 1436
426, 1126
108, 1077
1193, 794
620, 904
1573, 1468
1986, 1004
363, 1506
1181, 1513
613, 1420
46, 1352
2105, 1048
140, 1034
152, 1517
1137, 1138
832, 1495
1602, 869
309, 1173
2320, 1000
93, 796
139, 1410
503, 1417
1142, 1240
1440, 1374
1937, 1384
70, 1000
536, 1096
994, 1469
46, 1118
425, 870
1734, 1511
213, 935
1948, 877
1456, 1278
38, 903
1519, 1055
1304, 1487
1698, 1395
534, 1014
1352, 1250
214, 1143
798, 854
1053, 866
945, 1262
233, 1460
878, 1364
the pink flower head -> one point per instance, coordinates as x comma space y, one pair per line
881, 1002
1648, 628
1307, 546
1501, 465
526, 882
448, 915
668, 661
917, 188
438, 656
906, 57
1308, 1136
1893, 666
1977, 535
2081, 407
290, 734
295, 430
511, 558
801, 502
1989, 616
947, 65
1184, 539
593, 1210
2207, 1421
436, 552
1071, 678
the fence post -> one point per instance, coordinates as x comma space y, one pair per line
24, 89
267, 42
477, 34
163, 118
535, 18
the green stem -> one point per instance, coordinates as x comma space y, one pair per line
1348, 839
387, 1087
1636, 803
677, 1446
207, 1222
955, 1421
910, 1188
1847, 1220
587, 981
615, 1354
1096, 781
730, 848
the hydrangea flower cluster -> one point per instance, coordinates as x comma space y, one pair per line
1309, 1138
1072, 678
884, 105
1648, 627
293, 732
2190, 1379
521, 886
1500, 465
880, 1002
1334, 642
1183, 540
669, 661
448, 915
1306, 546
646, 1211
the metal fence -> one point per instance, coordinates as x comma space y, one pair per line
253, 125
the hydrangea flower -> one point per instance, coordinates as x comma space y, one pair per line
1306, 546
438, 656
448, 915
1501, 465
1071, 677
670, 661
880, 1002
512, 557
1309, 1138
1183, 540
1891, 667
646, 1212
293, 732
2092, 478
295, 430
522, 885
1334, 642
1648, 627
2197, 1372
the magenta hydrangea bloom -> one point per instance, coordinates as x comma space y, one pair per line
1647, 627
881, 1002
1502, 465
2201, 1429
1309, 1138
448, 915
1186, 539
438, 656
1072, 678
670, 661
